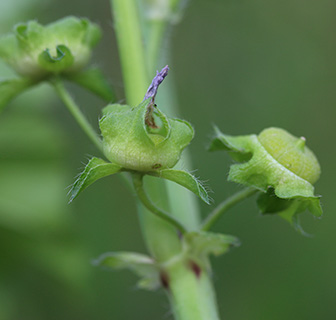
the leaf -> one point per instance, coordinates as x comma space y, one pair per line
94, 170
11, 88
142, 265
93, 80
185, 179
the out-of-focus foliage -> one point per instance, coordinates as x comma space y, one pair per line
244, 65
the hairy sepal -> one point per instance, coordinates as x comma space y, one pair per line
94, 170
186, 180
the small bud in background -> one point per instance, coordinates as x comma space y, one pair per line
35, 51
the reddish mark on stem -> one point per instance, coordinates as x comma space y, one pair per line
164, 278
196, 269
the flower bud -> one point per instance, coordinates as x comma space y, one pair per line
291, 152
143, 138
278, 164
35, 51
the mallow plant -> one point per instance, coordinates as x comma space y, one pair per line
138, 140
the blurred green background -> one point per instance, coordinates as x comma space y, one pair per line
244, 65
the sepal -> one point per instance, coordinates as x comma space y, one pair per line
11, 88
141, 265
94, 170
199, 245
184, 179
62, 60
289, 209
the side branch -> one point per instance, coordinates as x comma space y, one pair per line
140, 191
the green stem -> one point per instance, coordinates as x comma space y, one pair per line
191, 296
77, 113
226, 205
131, 49
161, 237
139, 189
155, 39
159, 33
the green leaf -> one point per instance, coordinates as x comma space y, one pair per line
142, 265
93, 80
185, 179
94, 170
11, 88
200, 245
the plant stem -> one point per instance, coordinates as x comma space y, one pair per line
192, 297
139, 189
77, 113
131, 49
226, 205
157, 31
161, 237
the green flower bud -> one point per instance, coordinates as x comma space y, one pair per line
143, 138
64, 46
278, 164
291, 152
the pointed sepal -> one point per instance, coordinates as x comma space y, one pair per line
184, 179
11, 88
94, 170
200, 245
289, 209
140, 264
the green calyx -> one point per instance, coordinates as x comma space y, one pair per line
291, 152
143, 138
278, 164
34, 51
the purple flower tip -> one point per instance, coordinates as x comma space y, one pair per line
154, 86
